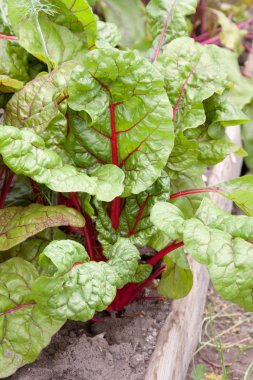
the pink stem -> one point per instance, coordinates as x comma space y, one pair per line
196, 191
10, 38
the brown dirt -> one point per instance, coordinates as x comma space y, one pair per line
118, 348
234, 346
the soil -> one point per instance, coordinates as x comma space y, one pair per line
226, 348
117, 347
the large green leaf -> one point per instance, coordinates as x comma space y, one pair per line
24, 152
19, 223
62, 45
229, 261
130, 17
192, 73
169, 16
24, 329
78, 287
125, 117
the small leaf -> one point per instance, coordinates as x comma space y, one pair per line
19, 223
24, 329
142, 273
9, 85
176, 281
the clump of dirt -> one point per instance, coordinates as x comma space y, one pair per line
112, 349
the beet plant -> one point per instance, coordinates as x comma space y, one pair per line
104, 140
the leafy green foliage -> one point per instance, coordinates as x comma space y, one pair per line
105, 153
19, 223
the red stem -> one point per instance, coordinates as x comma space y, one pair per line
37, 192
165, 27
10, 38
86, 230
159, 256
17, 308
139, 216
115, 205
214, 40
134, 289
6, 187
196, 191
204, 6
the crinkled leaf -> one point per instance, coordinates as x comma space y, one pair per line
126, 119
192, 73
62, 45
79, 289
177, 280
229, 261
24, 152
24, 329
169, 219
236, 225
39, 105
19, 223
108, 33
130, 17
169, 15
219, 111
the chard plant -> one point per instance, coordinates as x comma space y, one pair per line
106, 132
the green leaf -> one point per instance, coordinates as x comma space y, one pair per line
108, 33
9, 85
240, 191
247, 137
19, 223
125, 117
80, 288
192, 73
31, 248
24, 153
169, 219
130, 17
13, 61
219, 111
169, 15
229, 261
83, 12
61, 43
142, 273
231, 36
36, 105
241, 93
24, 329
177, 280
135, 217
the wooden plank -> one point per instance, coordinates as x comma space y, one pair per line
179, 337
